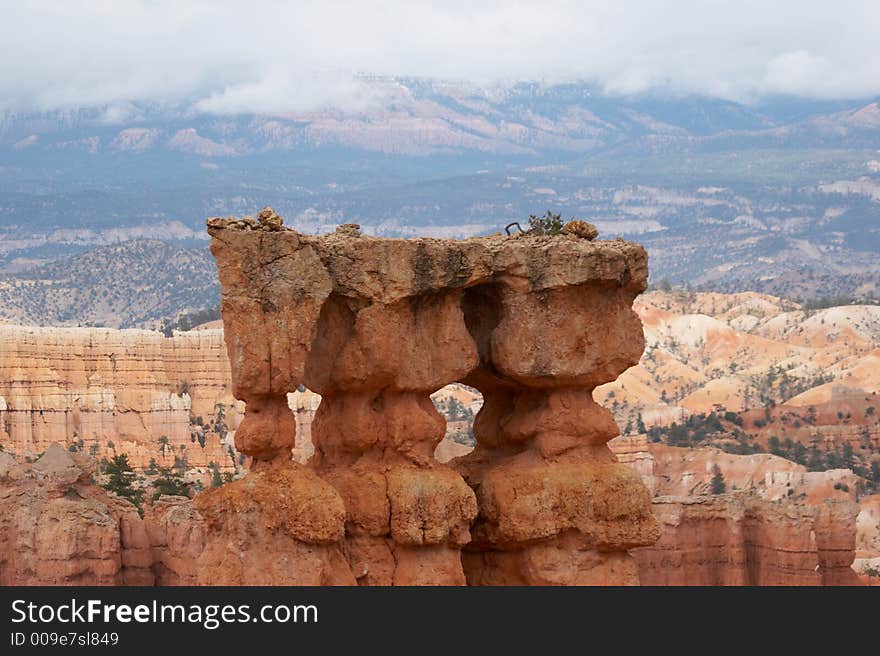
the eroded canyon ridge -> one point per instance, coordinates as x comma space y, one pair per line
375, 326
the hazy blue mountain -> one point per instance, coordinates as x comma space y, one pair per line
724, 195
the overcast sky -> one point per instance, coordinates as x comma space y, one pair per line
260, 55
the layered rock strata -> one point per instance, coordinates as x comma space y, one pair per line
742, 539
687, 471
177, 538
375, 326
104, 392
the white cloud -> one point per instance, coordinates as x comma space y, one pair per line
266, 55
797, 72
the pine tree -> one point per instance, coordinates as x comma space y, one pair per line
120, 481
816, 461
718, 485
170, 483
216, 479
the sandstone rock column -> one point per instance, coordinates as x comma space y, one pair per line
281, 524
376, 429
375, 327
555, 506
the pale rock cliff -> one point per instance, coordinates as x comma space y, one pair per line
103, 391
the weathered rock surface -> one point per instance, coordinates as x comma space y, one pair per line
58, 528
778, 524
678, 471
810, 376
375, 326
280, 525
742, 539
176, 533
867, 562
105, 391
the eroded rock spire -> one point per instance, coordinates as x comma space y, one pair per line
375, 326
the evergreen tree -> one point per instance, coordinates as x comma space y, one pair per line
216, 479
816, 461
718, 485
799, 453
120, 481
170, 483
875, 471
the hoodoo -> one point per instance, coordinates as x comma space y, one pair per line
375, 326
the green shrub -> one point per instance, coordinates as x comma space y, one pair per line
549, 224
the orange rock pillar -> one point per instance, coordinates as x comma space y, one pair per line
375, 326
281, 524
376, 429
555, 506
351, 319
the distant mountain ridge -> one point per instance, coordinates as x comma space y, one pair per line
782, 196
133, 284
429, 117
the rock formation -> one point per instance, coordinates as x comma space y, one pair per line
867, 560
375, 326
176, 533
778, 524
742, 539
679, 471
820, 368
57, 528
103, 391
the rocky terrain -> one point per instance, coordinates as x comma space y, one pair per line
779, 197
740, 539
62, 529
102, 392
753, 373
706, 349
58, 528
757, 519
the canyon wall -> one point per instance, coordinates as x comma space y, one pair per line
776, 523
101, 392
375, 326
742, 539
681, 471
59, 528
